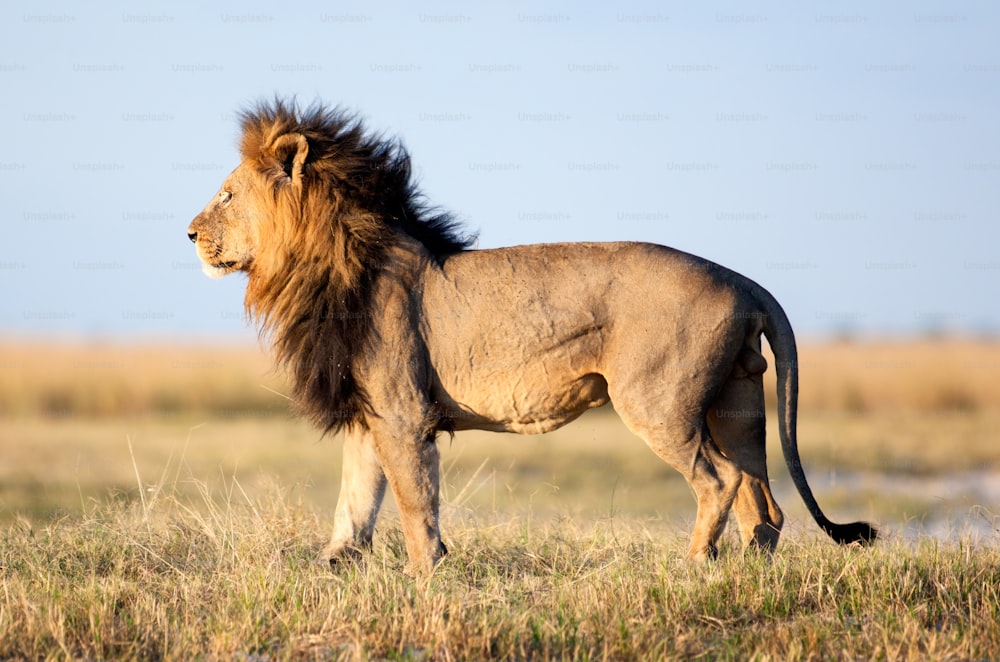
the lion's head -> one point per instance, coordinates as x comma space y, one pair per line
310, 215
224, 233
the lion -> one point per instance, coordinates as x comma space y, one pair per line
393, 329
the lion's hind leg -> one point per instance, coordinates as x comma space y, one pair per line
715, 482
688, 447
713, 479
736, 420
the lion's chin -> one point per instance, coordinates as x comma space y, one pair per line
215, 271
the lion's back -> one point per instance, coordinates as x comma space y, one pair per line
562, 280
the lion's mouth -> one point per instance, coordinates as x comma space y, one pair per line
218, 269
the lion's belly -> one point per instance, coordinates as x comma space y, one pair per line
531, 403
524, 374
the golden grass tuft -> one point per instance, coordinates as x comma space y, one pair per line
231, 577
71, 379
99, 379
943, 375
209, 555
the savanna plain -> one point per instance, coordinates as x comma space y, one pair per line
161, 502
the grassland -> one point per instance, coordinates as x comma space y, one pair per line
160, 503
234, 579
99, 379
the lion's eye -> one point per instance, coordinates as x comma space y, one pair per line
225, 197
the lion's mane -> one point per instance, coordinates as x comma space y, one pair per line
321, 244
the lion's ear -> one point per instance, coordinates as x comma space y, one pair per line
290, 152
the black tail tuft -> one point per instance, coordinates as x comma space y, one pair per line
856, 533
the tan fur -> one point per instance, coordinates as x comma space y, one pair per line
521, 339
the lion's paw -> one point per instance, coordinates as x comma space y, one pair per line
339, 556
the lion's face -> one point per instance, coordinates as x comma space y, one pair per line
224, 233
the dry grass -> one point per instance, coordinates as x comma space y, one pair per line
212, 412
944, 375
74, 379
591, 469
232, 577
160, 503
68, 380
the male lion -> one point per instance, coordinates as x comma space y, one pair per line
392, 329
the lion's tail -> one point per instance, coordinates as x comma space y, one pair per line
778, 332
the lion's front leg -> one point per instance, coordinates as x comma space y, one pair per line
412, 465
362, 488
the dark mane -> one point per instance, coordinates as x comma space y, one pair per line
374, 171
311, 284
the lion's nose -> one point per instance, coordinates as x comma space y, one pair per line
193, 236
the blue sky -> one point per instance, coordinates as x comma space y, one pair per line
844, 155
